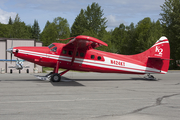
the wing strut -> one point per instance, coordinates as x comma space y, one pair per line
74, 53
57, 67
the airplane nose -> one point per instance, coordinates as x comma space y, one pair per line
10, 50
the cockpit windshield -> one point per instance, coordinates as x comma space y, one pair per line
51, 45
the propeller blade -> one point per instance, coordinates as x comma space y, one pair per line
11, 57
12, 44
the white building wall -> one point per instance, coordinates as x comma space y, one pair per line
8, 43
17, 43
38, 44
2, 55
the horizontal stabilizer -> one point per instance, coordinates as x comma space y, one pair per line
160, 58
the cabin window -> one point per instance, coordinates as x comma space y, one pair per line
77, 54
70, 52
92, 56
64, 51
54, 49
51, 45
81, 54
99, 58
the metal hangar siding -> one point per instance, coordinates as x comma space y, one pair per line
6, 43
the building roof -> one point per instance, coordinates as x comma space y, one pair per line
15, 39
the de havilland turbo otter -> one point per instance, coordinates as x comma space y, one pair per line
80, 54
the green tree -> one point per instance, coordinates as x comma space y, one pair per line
62, 28
4, 30
58, 29
147, 33
95, 20
47, 24
10, 22
107, 38
130, 39
119, 37
170, 18
49, 34
142, 32
35, 30
19, 29
90, 22
79, 25
155, 32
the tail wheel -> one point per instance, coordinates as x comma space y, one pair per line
55, 77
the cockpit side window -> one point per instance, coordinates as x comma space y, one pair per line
51, 45
54, 49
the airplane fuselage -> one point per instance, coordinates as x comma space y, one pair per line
91, 60
80, 54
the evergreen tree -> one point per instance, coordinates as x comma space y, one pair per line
58, 29
49, 35
10, 22
4, 30
19, 29
130, 39
47, 24
90, 22
142, 33
95, 20
35, 30
79, 25
119, 36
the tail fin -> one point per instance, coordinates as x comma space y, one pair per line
157, 57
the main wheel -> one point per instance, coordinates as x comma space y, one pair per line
55, 77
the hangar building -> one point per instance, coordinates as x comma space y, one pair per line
6, 43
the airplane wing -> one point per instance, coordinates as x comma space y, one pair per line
83, 42
4, 60
11, 66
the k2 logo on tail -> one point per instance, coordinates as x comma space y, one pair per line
159, 51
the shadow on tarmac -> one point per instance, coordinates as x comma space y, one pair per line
130, 79
74, 82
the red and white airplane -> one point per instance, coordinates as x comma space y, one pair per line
79, 54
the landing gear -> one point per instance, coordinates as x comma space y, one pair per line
150, 77
55, 77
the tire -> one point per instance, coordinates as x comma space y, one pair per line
55, 77
27, 70
11, 71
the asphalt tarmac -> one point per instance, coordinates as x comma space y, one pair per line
90, 96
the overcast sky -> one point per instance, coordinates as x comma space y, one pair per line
116, 11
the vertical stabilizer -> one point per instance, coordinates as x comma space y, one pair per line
157, 57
